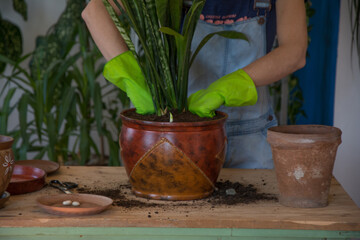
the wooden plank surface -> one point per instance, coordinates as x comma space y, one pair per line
341, 214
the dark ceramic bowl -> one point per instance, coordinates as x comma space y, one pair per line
26, 179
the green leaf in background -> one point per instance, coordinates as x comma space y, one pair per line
21, 7
98, 108
114, 150
84, 141
23, 111
10, 41
59, 41
46, 52
57, 77
226, 34
52, 135
17, 69
38, 106
5, 111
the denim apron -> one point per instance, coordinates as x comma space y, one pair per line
246, 127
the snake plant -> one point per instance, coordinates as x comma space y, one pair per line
165, 35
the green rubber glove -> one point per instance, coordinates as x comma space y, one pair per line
232, 90
124, 72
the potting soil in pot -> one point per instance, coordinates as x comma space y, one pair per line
177, 117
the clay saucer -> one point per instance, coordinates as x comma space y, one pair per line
5, 196
89, 204
46, 165
26, 179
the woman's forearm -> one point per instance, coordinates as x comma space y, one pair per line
103, 30
276, 65
291, 53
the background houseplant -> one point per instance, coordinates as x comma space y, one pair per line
10, 34
62, 102
11, 46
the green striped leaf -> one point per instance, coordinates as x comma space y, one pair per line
67, 101
119, 25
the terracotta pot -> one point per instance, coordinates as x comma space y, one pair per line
172, 161
304, 157
6, 162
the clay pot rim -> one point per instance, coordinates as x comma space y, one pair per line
6, 142
173, 124
303, 134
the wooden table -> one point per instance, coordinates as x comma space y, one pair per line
22, 219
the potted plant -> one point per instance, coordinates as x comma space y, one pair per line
169, 159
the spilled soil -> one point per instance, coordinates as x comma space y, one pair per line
226, 193
242, 194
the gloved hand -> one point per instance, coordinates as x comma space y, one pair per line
233, 90
124, 72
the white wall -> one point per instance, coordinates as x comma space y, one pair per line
347, 109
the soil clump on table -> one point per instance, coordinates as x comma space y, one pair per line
241, 194
226, 193
177, 117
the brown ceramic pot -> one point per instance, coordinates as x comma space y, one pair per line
304, 157
172, 161
6, 162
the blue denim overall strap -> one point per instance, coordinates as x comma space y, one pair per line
246, 126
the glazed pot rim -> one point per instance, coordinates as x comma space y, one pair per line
173, 124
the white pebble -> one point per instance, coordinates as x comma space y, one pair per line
67, 202
230, 191
76, 204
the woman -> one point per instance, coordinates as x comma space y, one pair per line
227, 71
